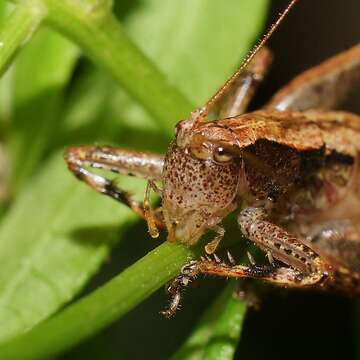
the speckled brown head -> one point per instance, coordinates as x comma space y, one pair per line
200, 181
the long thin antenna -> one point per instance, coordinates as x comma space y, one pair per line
250, 56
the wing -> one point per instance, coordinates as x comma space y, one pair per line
311, 130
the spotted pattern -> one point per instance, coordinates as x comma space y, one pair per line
284, 246
191, 183
197, 194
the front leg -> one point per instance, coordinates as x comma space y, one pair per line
305, 268
120, 161
281, 244
282, 276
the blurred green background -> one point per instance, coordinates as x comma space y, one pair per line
57, 236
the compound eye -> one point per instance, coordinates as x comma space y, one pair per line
221, 155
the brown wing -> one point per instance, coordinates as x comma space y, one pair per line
302, 131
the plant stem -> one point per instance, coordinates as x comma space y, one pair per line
202, 337
94, 312
97, 31
18, 29
227, 330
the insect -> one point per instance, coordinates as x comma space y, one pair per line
291, 168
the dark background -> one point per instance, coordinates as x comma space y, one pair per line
293, 325
314, 31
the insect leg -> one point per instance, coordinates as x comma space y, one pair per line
282, 276
121, 161
236, 97
305, 267
324, 86
280, 243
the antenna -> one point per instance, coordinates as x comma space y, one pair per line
250, 56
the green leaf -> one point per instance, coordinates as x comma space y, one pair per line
17, 26
52, 241
188, 44
227, 330
102, 37
40, 257
97, 310
198, 44
224, 313
97, 110
40, 75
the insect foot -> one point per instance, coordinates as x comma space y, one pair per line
283, 276
188, 273
176, 286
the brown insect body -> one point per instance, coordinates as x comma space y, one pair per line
292, 169
302, 164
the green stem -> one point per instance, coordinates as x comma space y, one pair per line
227, 330
97, 31
204, 332
94, 312
18, 29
